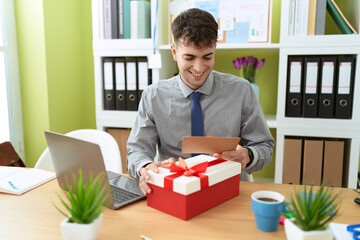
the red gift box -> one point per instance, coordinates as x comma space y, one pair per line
193, 186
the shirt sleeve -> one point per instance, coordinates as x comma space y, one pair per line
255, 133
143, 138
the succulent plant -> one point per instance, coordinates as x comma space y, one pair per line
84, 199
313, 211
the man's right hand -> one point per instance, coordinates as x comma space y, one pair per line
144, 176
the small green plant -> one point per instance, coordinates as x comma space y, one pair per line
85, 201
314, 211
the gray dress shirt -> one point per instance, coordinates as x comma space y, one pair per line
230, 109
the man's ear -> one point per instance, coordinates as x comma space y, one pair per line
173, 51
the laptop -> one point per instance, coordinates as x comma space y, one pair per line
69, 154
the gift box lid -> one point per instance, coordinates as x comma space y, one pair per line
217, 171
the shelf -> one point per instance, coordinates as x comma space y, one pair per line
231, 46
126, 119
116, 119
123, 47
341, 40
271, 121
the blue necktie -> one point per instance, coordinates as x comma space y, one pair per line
197, 125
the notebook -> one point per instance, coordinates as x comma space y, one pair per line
70, 154
18, 180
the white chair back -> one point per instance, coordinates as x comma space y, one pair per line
108, 145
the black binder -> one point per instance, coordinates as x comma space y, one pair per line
131, 88
345, 87
310, 92
327, 87
108, 83
294, 88
142, 76
120, 84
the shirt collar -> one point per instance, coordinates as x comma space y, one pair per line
204, 89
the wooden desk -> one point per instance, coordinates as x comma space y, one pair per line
32, 216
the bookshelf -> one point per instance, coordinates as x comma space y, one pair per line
349, 130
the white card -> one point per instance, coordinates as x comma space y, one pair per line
154, 61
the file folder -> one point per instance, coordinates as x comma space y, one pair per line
108, 80
312, 163
131, 101
142, 76
327, 87
292, 161
121, 19
120, 84
333, 163
111, 19
310, 97
294, 87
345, 87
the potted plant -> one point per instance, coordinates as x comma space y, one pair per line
248, 68
84, 203
311, 214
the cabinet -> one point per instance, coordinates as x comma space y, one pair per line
288, 46
348, 129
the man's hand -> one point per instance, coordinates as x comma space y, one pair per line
240, 155
144, 176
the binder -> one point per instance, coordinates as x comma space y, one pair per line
327, 87
108, 80
312, 163
131, 101
333, 163
292, 161
121, 23
320, 17
120, 84
126, 19
111, 21
311, 17
140, 19
294, 87
142, 76
345, 87
310, 97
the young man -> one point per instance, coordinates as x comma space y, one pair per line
229, 106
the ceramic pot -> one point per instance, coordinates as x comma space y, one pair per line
293, 232
76, 231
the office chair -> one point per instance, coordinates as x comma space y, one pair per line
108, 145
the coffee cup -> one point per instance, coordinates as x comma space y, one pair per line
267, 207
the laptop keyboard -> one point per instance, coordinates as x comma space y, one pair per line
122, 196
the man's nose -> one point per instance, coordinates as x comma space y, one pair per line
198, 66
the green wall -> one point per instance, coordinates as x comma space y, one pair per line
56, 69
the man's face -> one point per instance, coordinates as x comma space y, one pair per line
195, 64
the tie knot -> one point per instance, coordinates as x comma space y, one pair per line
195, 96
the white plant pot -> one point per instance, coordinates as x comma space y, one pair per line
76, 231
293, 232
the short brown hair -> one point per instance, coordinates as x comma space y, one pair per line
197, 26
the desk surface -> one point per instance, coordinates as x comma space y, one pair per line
32, 216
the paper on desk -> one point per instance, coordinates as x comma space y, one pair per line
340, 232
209, 144
16, 180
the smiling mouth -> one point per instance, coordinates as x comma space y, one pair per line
197, 74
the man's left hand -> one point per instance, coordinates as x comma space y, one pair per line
240, 155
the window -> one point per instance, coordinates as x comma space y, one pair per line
11, 128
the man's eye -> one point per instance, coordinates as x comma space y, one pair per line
189, 59
207, 58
